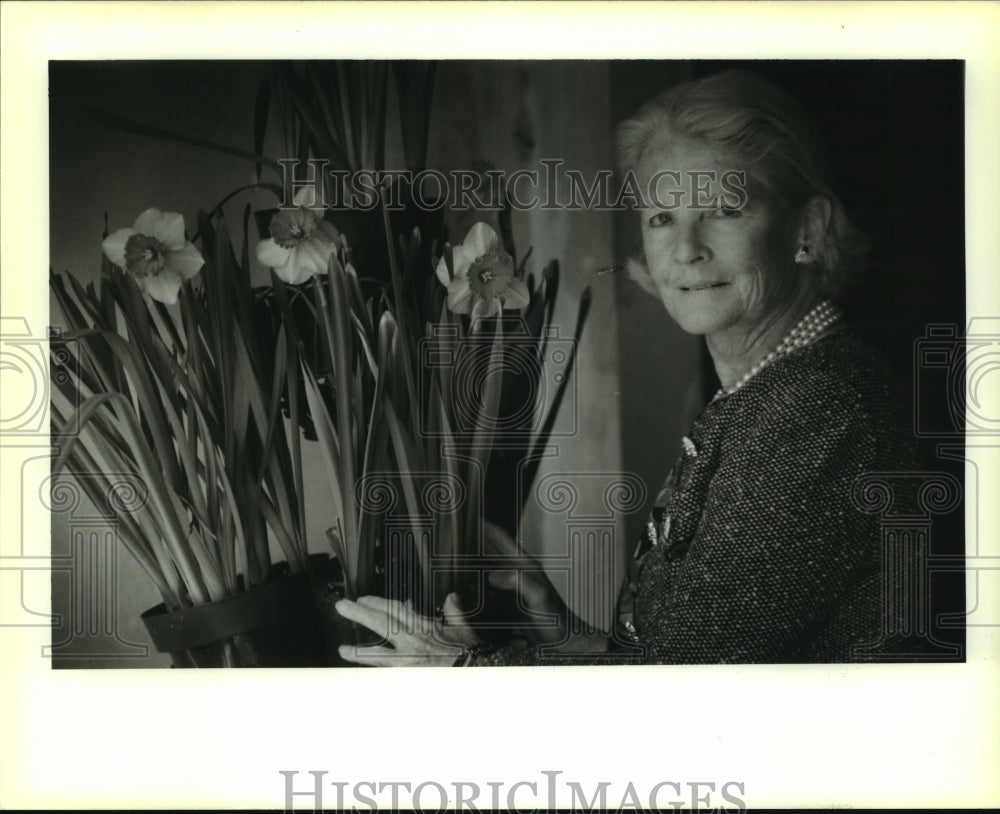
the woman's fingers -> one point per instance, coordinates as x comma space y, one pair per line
415, 639
390, 657
375, 616
453, 612
391, 606
374, 656
504, 580
534, 591
397, 617
453, 627
499, 540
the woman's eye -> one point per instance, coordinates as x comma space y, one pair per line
726, 212
661, 219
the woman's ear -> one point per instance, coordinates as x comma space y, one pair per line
814, 222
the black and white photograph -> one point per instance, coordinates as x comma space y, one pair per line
666, 372
506, 363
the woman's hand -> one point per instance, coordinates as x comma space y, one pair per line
416, 640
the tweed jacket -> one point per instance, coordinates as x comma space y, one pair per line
758, 550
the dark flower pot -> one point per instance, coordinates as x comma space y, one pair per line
276, 624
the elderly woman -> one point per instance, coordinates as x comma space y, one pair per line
755, 551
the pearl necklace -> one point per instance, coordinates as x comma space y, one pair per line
806, 331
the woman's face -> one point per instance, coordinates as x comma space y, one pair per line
719, 270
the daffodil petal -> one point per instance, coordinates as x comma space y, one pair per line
503, 271
294, 272
145, 224
327, 230
461, 260
186, 261
306, 196
298, 269
271, 254
114, 246
169, 230
313, 257
442, 272
163, 286
480, 239
328, 254
459, 295
516, 295
486, 308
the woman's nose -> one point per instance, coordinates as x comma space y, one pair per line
688, 246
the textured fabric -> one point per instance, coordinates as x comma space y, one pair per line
761, 554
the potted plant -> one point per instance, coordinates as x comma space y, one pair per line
431, 395
176, 379
336, 348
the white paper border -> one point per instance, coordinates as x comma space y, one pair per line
883, 735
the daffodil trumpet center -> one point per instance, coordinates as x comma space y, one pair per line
490, 274
145, 256
292, 226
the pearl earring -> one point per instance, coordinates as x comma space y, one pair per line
802, 255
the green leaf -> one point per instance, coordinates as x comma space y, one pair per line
542, 438
310, 120
295, 435
91, 461
446, 444
328, 444
163, 501
414, 90
482, 439
403, 320
407, 465
336, 323
261, 107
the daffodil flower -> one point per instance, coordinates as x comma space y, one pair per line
301, 242
482, 279
155, 252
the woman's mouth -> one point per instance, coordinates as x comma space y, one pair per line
701, 286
